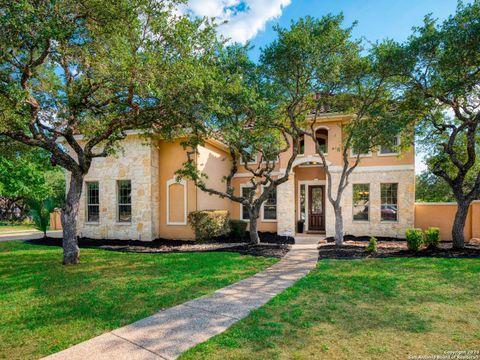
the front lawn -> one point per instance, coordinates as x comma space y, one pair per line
362, 309
46, 307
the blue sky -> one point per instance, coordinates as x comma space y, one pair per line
253, 20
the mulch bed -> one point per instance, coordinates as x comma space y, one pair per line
355, 249
170, 246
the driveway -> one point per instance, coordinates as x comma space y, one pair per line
29, 235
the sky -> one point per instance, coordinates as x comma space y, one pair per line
253, 20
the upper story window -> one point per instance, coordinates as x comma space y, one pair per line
321, 136
389, 201
93, 201
361, 201
251, 156
124, 199
301, 146
390, 149
270, 206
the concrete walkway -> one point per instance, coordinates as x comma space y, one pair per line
29, 235
169, 333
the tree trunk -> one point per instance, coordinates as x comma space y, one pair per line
71, 252
338, 225
254, 238
458, 228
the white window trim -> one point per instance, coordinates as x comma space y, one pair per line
369, 202
398, 207
86, 222
262, 209
246, 185
379, 152
308, 183
253, 162
182, 182
117, 206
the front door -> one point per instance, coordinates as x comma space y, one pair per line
316, 208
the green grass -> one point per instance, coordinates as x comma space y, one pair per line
5, 229
362, 309
46, 307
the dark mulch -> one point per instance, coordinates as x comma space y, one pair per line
265, 237
170, 246
365, 238
390, 248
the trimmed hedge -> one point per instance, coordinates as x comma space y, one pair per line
209, 224
432, 237
238, 229
414, 239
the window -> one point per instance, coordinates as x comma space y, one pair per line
245, 191
302, 202
388, 198
250, 155
301, 146
390, 149
361, 201
124, 188
322, 139
93, 202
270, 206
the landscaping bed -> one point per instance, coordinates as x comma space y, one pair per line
173, 246
354, 248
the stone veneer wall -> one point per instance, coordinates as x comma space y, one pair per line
136, 161
286, 207
376, 227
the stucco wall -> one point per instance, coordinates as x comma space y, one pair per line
135, 161
442, 215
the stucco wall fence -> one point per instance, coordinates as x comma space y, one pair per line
442, 215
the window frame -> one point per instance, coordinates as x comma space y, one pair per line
243, 186
87, 201
397, 142
265, 203
124, 204
353, 203
397, 219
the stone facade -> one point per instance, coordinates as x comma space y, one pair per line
136, 161
286, 207
374, 226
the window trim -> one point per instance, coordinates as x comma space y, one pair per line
118, 203
369, 202
262, 210
242, 186
87, 204
381, 203
379, 152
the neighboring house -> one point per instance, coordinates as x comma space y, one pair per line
135, 194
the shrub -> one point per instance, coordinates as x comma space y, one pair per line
40, 214
414, 239
209, 224
372, 245
238, 229
432, 237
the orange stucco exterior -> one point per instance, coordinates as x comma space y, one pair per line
442, 215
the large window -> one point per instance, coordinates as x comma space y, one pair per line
389, 202
361, 201
270, 206
124, 200
93, 202
246, 191
390, 149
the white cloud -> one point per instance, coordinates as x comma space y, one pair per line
245, 18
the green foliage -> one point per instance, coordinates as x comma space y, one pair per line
372, 245
414, 239
431, 188
432, 237
209, 224
40, 213
238, 229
